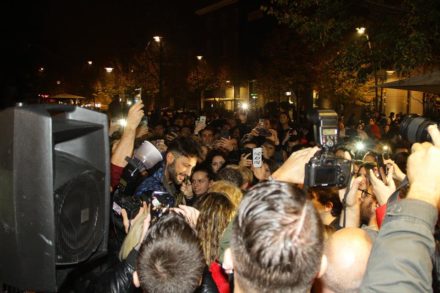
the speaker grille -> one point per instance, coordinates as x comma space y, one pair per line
78, 206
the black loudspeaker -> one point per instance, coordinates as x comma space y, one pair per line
54, 193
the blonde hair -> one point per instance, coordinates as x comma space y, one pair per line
133, 236
230, 190
216, 211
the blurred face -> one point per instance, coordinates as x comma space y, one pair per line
207, 137
200, 183
179, 167
185, 132
159, 130
368, 206
217, 163
267, 124
283, 119
205, 151
268, 150
178, 122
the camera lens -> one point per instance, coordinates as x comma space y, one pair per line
415, 129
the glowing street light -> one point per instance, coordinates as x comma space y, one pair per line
109, 69
199, 57
90, 62
157, 39
360, 30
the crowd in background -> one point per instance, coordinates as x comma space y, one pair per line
239, 227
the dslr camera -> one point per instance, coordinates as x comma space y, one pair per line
325, 169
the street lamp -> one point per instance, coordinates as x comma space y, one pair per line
362, 32
90, 62
109, 69
158, 39
201, 102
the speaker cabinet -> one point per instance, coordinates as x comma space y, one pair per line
54, 193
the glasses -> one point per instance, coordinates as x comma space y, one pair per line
365, 193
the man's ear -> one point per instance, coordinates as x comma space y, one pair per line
323, 266
228, 264
136, 279
170, 158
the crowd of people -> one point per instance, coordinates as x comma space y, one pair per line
228, 224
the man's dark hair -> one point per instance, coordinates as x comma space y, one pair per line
277, 240
171, 258
185, 146
205, 169
232, 175
209, 128
327, 195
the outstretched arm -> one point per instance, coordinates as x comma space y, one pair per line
400, 260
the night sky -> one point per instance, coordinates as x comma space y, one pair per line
62, 35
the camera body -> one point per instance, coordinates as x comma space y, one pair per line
325, 169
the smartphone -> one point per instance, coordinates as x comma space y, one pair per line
257, 157
202, 119
260, 122
144, 121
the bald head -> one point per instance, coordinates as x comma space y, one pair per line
347, 252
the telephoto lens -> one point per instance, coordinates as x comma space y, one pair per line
415, 128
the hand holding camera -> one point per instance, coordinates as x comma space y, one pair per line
383, 190
423, 171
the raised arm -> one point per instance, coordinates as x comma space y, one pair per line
401, 257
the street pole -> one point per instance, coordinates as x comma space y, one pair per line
376, 96
160, 74
361, 31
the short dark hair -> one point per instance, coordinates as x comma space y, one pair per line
185, 146
327, 195
277, 239
232, 175
171, 258
205, 169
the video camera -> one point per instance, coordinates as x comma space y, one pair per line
325, 169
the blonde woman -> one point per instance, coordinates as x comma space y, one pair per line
233, 192
216, 211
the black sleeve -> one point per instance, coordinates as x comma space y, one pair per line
118, 278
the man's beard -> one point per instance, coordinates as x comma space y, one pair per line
367, 211
172, 175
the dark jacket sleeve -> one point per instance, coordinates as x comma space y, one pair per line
118, 278
401, 258
208, 284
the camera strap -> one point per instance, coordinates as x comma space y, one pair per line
344, 201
